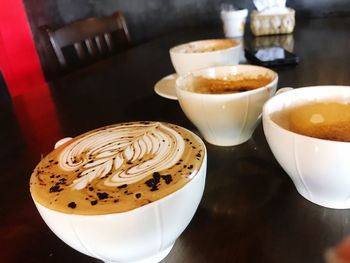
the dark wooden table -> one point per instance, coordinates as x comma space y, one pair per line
250, 210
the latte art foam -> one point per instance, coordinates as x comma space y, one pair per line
126, 153
117, 168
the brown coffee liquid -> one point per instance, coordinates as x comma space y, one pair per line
216, 45
117, 168
209, 45
323, 120
231, 84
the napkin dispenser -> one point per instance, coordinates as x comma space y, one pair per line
271, 17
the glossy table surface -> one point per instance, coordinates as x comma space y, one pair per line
250, 210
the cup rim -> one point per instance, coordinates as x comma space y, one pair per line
154, 203
267, 116
238, 94
173, 50
138, 209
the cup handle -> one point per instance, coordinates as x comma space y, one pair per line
282, 90
62, 141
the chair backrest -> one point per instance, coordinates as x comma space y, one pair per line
84, 41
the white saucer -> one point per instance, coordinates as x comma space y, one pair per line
166, 87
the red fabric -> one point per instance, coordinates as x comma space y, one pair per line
20, 66
19, 60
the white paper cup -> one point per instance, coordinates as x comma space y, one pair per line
234, 22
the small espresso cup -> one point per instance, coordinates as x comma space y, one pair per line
226, 118
204, 53
313, 157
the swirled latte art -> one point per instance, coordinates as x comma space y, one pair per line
117, 168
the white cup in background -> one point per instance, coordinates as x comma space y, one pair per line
225, 119
204, 53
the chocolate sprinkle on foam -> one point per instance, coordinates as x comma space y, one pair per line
153, 182
55, 189
156, 176
102, 196
72, 205
167, 178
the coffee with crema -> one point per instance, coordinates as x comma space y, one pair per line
228, 84
117, 168
327, 120
203, 46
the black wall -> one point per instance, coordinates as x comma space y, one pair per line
146, 18
149, 18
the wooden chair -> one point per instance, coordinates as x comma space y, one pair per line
85, 41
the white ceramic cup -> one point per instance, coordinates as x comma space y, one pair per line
225, 119
318, 168
142, 235
234, 22
186, 57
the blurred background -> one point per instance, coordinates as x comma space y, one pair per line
147, 19
24, 46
